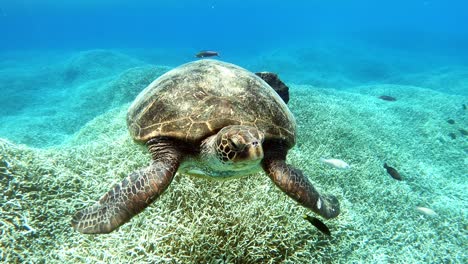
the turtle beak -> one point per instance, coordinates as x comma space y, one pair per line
251, 154
256, 150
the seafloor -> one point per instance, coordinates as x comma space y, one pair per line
65, 144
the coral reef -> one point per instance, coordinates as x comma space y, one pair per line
249, 220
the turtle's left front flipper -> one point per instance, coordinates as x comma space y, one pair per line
129, 197
295, 184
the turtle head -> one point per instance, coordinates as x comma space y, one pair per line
239, 147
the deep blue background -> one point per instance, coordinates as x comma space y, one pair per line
221, 25
59, 58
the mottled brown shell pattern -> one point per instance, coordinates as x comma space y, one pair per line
197, 99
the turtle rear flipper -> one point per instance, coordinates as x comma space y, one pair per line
131, 196
296, 185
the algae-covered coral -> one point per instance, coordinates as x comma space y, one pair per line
249, 220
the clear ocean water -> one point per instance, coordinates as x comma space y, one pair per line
70, 69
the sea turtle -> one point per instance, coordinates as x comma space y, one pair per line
205, 118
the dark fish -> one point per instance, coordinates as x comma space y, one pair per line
393, 172
387, 98
318, 224
451, 121
463, 132
274, 81
206, 53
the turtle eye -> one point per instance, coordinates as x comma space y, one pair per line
235, 144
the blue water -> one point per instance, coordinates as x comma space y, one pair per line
228, 25
239, 31
48, 49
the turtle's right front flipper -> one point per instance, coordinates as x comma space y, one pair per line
129, 197
295, 184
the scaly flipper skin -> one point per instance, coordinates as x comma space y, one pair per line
133, 194
295, 184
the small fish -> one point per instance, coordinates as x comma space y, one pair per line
393, 172
336, 163
463, 132
452, 135
318, 224
387, 98
426, 211
206, 53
